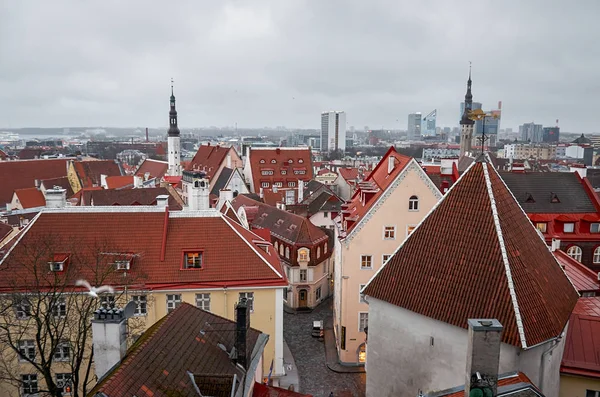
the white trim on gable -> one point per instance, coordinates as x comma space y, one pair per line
19, 237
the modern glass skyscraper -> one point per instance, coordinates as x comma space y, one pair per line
414, 126
333, 131
428, 124
531, 132
550, 134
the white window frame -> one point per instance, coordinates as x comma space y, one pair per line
575, 252
361, 297
360, 321
389, 232
384, 259
303, 275
57, 308
542, 226
597, 227
413, 203
141, 305
291, 184
408, 231
365, 256
249, 299
265, 185
596, 259
27, 350
174, 302
32, 380
23, 310
571, 226
318, 294
59, 352
203, 301
63, 380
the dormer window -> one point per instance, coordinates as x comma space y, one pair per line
529, 198
283, 172
290, 161
58, 262
300, 161
262, 161
273, 161
291, 184
554, 198
569, 227
192, 260
595, 228
122, 264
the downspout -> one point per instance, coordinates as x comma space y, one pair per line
555, 343
225, 299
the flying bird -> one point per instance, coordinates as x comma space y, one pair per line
94, 291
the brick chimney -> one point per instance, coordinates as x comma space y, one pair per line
109, 339
242, 326
483, 356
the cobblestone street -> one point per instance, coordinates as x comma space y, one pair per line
315, 377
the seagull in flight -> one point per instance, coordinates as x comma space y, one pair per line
94, 291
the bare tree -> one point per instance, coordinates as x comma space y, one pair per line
45, 321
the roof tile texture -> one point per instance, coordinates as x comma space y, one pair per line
451, 267
22, 174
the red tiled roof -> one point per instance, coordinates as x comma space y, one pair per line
286, 226
62, 181
155, 168
89, 171
233, 256
22, 174
582, 346
348, 173
506, 380
261, 390
144, 196
115, 182
584, 279
208, 159
30, 198
186, 340
30, 153
375, 184
470, 256
291, 160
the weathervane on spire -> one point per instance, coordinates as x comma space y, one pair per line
477, 115
171, 85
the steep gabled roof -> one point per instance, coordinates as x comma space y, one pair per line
145, 196
154, 168
62, 181
22, 174
477, 255
222, 180
582, 346
185, 340
208, 159
31, 197
89, 171
567, 187
289, 227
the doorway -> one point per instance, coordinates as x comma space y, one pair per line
302, 298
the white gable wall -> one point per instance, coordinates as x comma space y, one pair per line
402, 361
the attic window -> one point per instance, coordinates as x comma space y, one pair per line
273, 161
123, 264
554, 198
529, 198
262, 161
283, 172
58, 262
192, 260
300, 161
291, 184
279, 222
290, 161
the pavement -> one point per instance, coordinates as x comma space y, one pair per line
291, 377
316, 377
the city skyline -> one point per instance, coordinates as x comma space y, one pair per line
266, 64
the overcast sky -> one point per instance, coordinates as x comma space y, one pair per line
282, 62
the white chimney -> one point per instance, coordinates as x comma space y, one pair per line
56, 197
581, 170
137, 181
300, 191
483, 356
224, 196
103, 183
228, 160
109, 339
555, 244
162, 200
262, 193
391, 161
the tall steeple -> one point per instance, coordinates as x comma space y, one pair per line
173, 140
173, 129
466, 124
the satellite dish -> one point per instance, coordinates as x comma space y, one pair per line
129, 310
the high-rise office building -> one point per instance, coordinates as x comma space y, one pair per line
333, 131
428, 124
414, 126
550, 134
531, 132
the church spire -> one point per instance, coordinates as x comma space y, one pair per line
173, 129
468, 102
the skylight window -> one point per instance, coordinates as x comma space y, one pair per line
192, 260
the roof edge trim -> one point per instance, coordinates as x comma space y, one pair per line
511, 286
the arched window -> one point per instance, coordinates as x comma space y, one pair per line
597, 255
281, 250
276, 245
575, 253
287, 252
325, 248
413, 203
318, 252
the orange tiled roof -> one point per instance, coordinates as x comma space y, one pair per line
582, 346
116, 182
30, 198
371, 188
208, 159
155, 168
582, 277
22, 174
89, 171
283, 164
233, 256
477, 255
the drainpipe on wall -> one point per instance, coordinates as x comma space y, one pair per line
555, 343
225, 299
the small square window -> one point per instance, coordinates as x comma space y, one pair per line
26, 350
62, 352
595, 228
385, 258
265, 184
363, 321
303, 274
389, 232
249, 299
59, 309
173, 302
366, 262
192, 260
318, 294
63, 382
23, 310
541, 226
569, 227
29, 384
141, 308
203, 301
